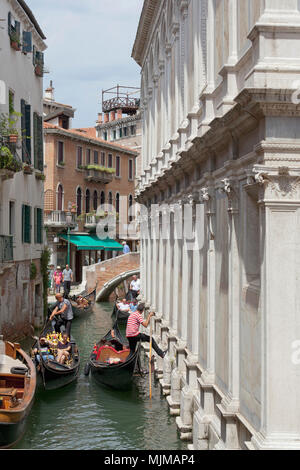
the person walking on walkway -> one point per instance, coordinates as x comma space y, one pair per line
126, 248
57, 276
67, 279
133, 334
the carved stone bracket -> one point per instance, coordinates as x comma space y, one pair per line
229, 187
206, 197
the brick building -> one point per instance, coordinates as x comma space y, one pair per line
90, 175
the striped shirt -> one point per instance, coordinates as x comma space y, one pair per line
133, 324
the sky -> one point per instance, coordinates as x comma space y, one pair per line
89, 49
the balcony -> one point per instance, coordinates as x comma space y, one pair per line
58, 219
98, 176
6, 249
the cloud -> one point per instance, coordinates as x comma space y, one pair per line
89, 49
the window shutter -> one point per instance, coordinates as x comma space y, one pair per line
18, 28
33, 54
26, 224
28, 132
27, 41
38, 142
40, 225
9, 22
35, 226
23, 128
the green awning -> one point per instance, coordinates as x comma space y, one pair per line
92, 243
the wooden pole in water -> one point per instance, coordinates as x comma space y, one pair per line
150, 363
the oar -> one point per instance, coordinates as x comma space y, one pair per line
150, 363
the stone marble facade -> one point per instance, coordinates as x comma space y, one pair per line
221, 138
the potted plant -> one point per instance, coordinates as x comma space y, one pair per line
73, 208
8, 126
15, 41
8, 163
27, 168
39, 70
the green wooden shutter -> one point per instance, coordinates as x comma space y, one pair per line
9, 23
26, 224
38, 225
23, 128
27, 42
38, 142
28, 132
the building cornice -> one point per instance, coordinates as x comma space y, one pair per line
88, 140
148, 15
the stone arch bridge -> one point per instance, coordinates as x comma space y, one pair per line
108, 275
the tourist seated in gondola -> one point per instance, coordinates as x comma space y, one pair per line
63, 349
44, 350
133, 334
62, 315
123, 306
133, 306
82, 302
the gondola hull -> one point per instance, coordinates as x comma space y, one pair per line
53, 375
82, 312
13, 420
121, 316
117, 376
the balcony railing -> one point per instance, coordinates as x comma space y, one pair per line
98, 176
6, 248
59, 219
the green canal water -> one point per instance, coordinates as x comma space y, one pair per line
84, 415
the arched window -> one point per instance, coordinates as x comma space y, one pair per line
110, 198
130, 203
102, 198
60, 196
95, 200
79, 201
117, 203
87, 201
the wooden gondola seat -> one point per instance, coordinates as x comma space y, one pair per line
107, 352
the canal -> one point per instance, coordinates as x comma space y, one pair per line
84, 415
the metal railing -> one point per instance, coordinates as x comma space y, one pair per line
6, 248
58, 218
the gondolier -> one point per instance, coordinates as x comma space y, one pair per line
133, 334
64, 309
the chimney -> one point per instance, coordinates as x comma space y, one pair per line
49, 92
119, 114
100, 120
106, 117
112, 116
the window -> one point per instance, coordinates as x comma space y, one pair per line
11, 102
38, 141
130, 169
78, 201
60, 195
102, 198
60, 153
110, 160
105, 135
130, 204
12, 218
38, 225
118, 166
117, 203
87, 201
26, 224
133, 130
88, 156
26, 131
125, 131
95, 200
102, 158
120, 133
79, 157
114, 134
110, 198
96, 157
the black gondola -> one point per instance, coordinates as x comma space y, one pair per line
119, 375
118, 314
53, 374
79, 312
